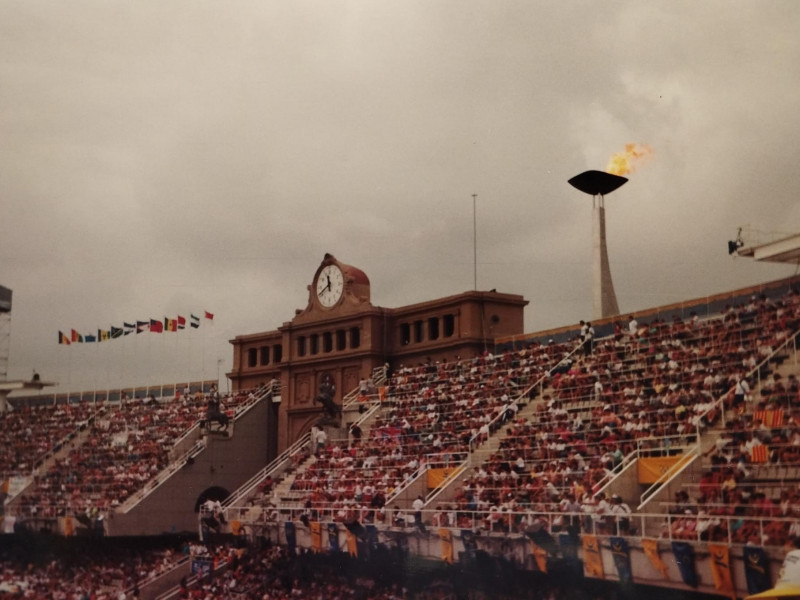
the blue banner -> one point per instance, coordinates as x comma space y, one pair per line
756, 569
568, 545
291, 537
621, 552
333, 537
201, 567
684, 557
470, 544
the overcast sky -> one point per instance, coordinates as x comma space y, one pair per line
162, 158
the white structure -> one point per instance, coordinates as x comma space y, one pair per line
598, 184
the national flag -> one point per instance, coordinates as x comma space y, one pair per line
76, 337
209, 316
142, 326
195, 322
684, 558
621, 552
756, 569
129, 328
721, 569
62, 339
170, 324
592, 560
116, 332
181, 322
89, 338
775, 418
447, 545
102, 335
333, 537
759, 454
156, 326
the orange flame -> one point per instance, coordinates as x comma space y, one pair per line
623, 163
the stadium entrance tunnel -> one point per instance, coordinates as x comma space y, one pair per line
212, 493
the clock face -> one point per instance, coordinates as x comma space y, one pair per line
330, 285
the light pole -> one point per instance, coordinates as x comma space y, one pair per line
474, 243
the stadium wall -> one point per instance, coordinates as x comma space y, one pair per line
224, 465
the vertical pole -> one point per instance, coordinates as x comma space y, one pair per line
474, 242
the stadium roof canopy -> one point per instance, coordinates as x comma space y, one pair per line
783, 250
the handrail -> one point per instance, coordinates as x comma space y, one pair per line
177, 463
517, 522
679, 466
473, 444
756, 369
247, 487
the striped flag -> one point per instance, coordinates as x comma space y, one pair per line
181, 322
759, 454
62, 339
76, 337
195, 322
129, 328
156, 326
102, 335
116, 332
142, 326
170, 324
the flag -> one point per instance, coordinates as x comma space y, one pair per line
592, 560
129, 327
684, 557
540, 556
156, 326
102, 335
291, 537
333, 537
316, 536
721, 569
89, 338
116, 332
142, 326
759, 454
62, 339
181, 322
209, 316
756, 569
650, 547
76, 337
195, 322
621, 552
446, 536
170, 324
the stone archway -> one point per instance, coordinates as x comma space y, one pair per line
214, 493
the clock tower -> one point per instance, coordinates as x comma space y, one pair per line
339, 338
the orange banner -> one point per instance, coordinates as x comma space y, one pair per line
352, 543
592, 560
651, 469
447, 545
316, 536
650, 547
437, 476
540, 556
721, 569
